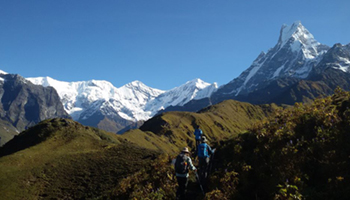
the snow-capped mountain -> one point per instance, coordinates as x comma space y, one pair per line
191, 90
77, 97
130, 103
337, 57
296, 55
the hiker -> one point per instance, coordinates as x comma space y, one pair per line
198, 133
182, 165
203, 155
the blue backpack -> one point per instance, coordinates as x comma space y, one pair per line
203, 150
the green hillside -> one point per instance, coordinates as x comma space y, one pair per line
171, 131
62, 159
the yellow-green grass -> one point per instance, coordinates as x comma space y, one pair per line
70, 162
170, 132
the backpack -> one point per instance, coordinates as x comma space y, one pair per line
181, 166
198, 133
203, 150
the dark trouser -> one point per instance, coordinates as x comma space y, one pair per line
203, 167
198, 142
181, 190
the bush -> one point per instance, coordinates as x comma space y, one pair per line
302, 152
158, 181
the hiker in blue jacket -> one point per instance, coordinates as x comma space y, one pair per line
182, 165
198, 133
203, 155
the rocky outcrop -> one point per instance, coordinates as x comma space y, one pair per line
24, 104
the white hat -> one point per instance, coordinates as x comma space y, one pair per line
185, 150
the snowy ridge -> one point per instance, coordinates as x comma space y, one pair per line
179, 96
340, 53
78, 97
344, 64
133, 101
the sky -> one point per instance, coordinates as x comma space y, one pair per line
162, 43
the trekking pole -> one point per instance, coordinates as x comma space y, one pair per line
211, 161
199, 182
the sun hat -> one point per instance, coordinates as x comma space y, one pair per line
185, 150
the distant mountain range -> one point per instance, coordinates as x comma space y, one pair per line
100, 104
296, 69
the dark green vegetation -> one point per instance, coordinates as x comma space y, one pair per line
60, 158
300, 153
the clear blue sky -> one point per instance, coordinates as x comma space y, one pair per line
162, 43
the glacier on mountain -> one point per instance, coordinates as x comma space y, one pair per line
344, 64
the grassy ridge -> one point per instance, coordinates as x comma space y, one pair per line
171, 131
58, 133
66, 160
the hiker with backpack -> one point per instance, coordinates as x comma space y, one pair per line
198, 134
204, 158
182, 165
